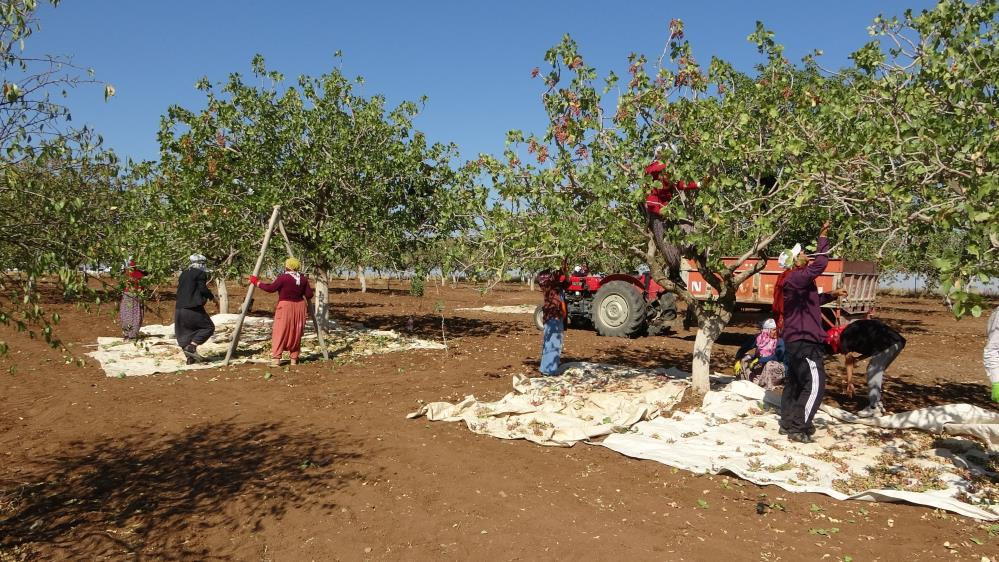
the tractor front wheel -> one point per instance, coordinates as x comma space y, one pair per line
539, 317
619, 310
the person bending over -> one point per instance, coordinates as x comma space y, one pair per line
861, 340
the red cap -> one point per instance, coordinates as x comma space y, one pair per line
654, 168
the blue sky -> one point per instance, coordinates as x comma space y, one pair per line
473, 59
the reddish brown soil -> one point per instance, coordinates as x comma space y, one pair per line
319, 463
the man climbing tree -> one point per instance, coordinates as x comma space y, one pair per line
658, 198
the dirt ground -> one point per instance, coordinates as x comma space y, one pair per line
318, 462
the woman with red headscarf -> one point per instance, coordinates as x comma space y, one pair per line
130, 310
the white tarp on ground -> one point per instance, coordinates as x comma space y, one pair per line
157, 351
915, 456
586, 401
508, 309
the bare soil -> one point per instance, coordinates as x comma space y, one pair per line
318, 462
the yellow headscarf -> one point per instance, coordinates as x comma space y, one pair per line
292, 264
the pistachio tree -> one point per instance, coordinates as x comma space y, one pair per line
57, 187
927, 87
766, 148
358, 185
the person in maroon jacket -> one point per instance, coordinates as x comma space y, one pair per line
655, 202
293, 289
804, 339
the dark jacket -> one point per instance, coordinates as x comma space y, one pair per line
867, 337
192, 289
802, 301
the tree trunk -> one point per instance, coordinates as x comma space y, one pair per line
322, 296
222, 293
711, 324
530, 281
361, 279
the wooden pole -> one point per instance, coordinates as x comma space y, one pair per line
249, 290
312, 314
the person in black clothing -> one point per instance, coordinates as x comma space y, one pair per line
192, 324
867, 339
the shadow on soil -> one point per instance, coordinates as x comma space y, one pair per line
141, 495
899, 397
428, 326
908, 326
399, 292
624, 357
909, 396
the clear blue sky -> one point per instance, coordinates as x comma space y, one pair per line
472, 58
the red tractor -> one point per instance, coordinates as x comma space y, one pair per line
617, 305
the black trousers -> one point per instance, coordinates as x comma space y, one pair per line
804, 386
192, 325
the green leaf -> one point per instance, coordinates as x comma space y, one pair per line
942, 264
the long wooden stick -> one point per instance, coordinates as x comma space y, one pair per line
312, 314
249, 290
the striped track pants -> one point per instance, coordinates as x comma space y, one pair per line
804, 386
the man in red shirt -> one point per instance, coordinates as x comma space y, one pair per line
656, 201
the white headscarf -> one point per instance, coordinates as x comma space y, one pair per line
786, 258
198, 261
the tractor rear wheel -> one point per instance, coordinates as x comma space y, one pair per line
619, 310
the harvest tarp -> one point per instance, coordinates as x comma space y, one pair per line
940, 457
157, 351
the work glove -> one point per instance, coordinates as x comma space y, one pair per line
995, 392
254, 280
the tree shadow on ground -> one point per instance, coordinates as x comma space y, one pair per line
371, 290
141, 495
624, 357
907, 395
907, 326
901, 396
342, 305
428, 326
726, 339
915, 309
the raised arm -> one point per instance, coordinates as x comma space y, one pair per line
821, 260
272, 287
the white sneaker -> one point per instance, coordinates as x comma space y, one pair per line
875, 411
